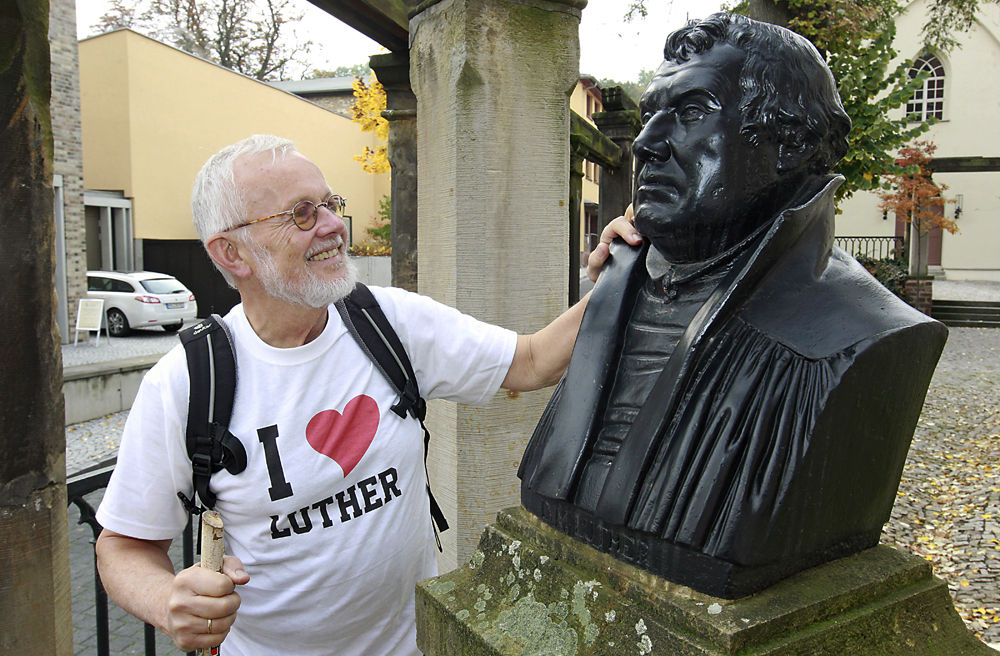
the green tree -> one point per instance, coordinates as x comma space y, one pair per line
856, 38
252, 38
633, 88
869, 93
358, 70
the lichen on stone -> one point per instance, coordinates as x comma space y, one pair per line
529, 623
440, 588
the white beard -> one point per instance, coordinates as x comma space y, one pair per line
312, 291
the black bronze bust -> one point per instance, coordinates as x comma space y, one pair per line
742, 393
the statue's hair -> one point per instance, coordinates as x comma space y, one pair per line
217, 202
788, 90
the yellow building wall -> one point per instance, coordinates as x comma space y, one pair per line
152, 115
104, 114
591, 184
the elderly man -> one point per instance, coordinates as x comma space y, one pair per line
328, 526
757, 389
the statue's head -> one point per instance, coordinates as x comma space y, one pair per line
739, 115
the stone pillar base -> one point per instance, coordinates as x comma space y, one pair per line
532, 590
919, 293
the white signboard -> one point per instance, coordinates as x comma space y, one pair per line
88, 317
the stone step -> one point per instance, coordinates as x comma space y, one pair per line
963, 304
967, 314
957, 323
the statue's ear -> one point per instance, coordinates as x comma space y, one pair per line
796, 144
795, 155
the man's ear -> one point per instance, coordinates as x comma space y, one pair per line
228, 254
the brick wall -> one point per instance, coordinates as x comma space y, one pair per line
68, 153
919, 292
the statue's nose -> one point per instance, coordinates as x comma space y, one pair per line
652, 144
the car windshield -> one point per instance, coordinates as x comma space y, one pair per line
163, 286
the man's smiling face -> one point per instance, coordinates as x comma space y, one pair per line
700, 180
305, 267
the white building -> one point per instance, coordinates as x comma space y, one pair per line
963, 91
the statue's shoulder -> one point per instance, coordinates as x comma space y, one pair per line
842, 307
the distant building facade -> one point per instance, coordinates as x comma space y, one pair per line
585, 101
333, 93
963, 92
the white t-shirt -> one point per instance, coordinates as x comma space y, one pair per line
331, 517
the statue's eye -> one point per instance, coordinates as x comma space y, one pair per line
646, 116
692, 112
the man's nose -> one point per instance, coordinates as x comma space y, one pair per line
328, 221
652, 144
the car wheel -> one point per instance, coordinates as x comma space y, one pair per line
117, 323
173, 328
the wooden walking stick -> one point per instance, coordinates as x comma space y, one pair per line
212, 550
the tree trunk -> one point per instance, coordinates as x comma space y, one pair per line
768, 11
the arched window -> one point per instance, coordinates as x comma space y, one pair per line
928, 101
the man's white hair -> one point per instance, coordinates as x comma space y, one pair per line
217, 201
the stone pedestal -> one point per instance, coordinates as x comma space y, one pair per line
492, 80
532, 590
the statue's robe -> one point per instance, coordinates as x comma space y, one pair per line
776, 435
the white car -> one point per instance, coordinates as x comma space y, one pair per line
141, 299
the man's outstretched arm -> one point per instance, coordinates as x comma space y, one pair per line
541, 359
139, 577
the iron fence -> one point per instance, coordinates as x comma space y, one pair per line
877, 248
79, 485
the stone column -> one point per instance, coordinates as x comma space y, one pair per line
492, 80
393, 71
619, 122
34, 544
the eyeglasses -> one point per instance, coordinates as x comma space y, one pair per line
305, 212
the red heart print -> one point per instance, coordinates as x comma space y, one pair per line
344, 438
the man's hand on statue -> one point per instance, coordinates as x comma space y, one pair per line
621, 227
203, 605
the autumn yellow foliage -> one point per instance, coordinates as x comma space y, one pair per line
367, 113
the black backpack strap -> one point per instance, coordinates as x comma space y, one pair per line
375, 335
211, 364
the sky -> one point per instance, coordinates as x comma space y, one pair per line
610, 47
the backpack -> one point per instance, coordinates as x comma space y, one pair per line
211, 364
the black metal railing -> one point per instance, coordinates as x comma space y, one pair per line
877, 248
78, 486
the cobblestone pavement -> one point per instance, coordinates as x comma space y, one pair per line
948, 505
141, 341
947, 509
